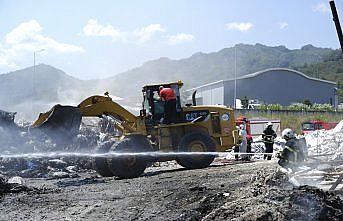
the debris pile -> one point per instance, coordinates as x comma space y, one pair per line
323, 168
7, 118
45, 168
18, 139
15, 185
326, 175
272, 197
326, 142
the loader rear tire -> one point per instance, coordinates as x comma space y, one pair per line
100, 164
127, 167
196, 142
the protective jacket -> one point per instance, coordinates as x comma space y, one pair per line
167, 94
269, 135
292, 153
243, 145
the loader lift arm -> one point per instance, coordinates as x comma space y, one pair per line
104, 105
66, 120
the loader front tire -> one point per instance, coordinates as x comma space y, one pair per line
129, 166
100, 164
196, 142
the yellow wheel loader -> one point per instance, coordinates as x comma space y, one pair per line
197, 129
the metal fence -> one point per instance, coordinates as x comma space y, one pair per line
254, 112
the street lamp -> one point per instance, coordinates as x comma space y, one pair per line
33, 76
34, 60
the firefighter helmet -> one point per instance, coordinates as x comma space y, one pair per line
269, 124
288, 134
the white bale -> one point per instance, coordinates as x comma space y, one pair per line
339, 127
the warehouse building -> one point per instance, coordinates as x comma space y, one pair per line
271, 86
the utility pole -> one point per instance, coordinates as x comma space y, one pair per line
33, 76
235, 87
34, 60
340, 38
337, 23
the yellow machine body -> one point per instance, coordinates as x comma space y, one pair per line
219, 123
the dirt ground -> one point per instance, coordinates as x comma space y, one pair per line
246, 191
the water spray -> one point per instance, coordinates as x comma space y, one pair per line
124, 154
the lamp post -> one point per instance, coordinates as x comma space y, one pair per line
34, 60
33, 76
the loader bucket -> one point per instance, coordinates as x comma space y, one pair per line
60, 123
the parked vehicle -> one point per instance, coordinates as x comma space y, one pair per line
255, 127
309, 126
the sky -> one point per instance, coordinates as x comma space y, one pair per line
98, 39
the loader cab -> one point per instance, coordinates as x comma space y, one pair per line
153, 108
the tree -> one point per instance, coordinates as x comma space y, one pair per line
245, 102
307, 102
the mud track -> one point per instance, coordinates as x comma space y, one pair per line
249, 191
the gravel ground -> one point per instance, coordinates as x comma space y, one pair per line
246, 191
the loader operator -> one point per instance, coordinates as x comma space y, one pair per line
292, 153
268, 137
169, 98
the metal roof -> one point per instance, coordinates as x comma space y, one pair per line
255, 74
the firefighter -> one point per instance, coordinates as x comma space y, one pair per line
249, 138
236, 147
268, 137
169, 98
292, 153
244, 143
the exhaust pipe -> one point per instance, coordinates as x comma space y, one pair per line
193, 98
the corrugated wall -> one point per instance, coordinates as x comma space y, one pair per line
282, 87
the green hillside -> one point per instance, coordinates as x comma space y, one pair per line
30, 93
203, 68
330, 69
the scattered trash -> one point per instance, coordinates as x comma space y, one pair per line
16, 180
72, 169
57, 163
16, 185
270, 194
59, 175
226, 194
79, 182
326, 142
18, 139
7, 118
198, 188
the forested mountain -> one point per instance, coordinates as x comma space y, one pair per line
203, 68
29, 92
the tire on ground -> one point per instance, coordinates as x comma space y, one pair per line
129, 166
191, 143
100, 164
